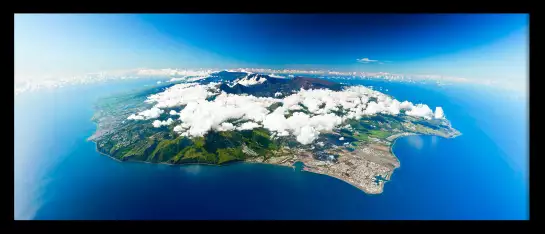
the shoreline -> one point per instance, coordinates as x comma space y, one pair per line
304, 169
243, 162
401, 135
354, 185
182, 164
389, 175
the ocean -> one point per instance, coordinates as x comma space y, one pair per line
482, 174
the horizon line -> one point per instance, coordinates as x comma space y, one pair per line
171, 72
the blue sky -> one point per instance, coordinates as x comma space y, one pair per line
473, 46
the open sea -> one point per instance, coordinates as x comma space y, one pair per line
482, 174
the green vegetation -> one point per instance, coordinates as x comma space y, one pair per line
361, 137
167, 149
140, 141
230, 154
275, 105
339, 112
138, 151
304, 109
379, 134
194, 153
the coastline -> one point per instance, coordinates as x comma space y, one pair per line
164, 163
354, 185
401, 135
96, 149
304, 169
247, 162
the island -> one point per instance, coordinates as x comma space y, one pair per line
342, 131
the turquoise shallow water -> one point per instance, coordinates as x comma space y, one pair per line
479, 175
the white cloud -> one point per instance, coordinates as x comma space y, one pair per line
151, 113
158, 123
178, 128
173, 112
366, 60
325, 122
420, 110
276, 76
303, 126
225, 126
439, 114
406, 105
201, 116
277, 94
187, 78
295, 107
182, 94
47, 81
176, 79
147, 114
172, 72
341, 138
307, 135
248, 126
135, 117
25, 83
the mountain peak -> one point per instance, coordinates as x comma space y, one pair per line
252, 79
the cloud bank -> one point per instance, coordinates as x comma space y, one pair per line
227, 112
171, 72
173, 96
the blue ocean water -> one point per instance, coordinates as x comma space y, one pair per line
480, 175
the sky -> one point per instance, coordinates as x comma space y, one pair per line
473, 46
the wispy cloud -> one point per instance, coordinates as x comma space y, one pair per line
366, 60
